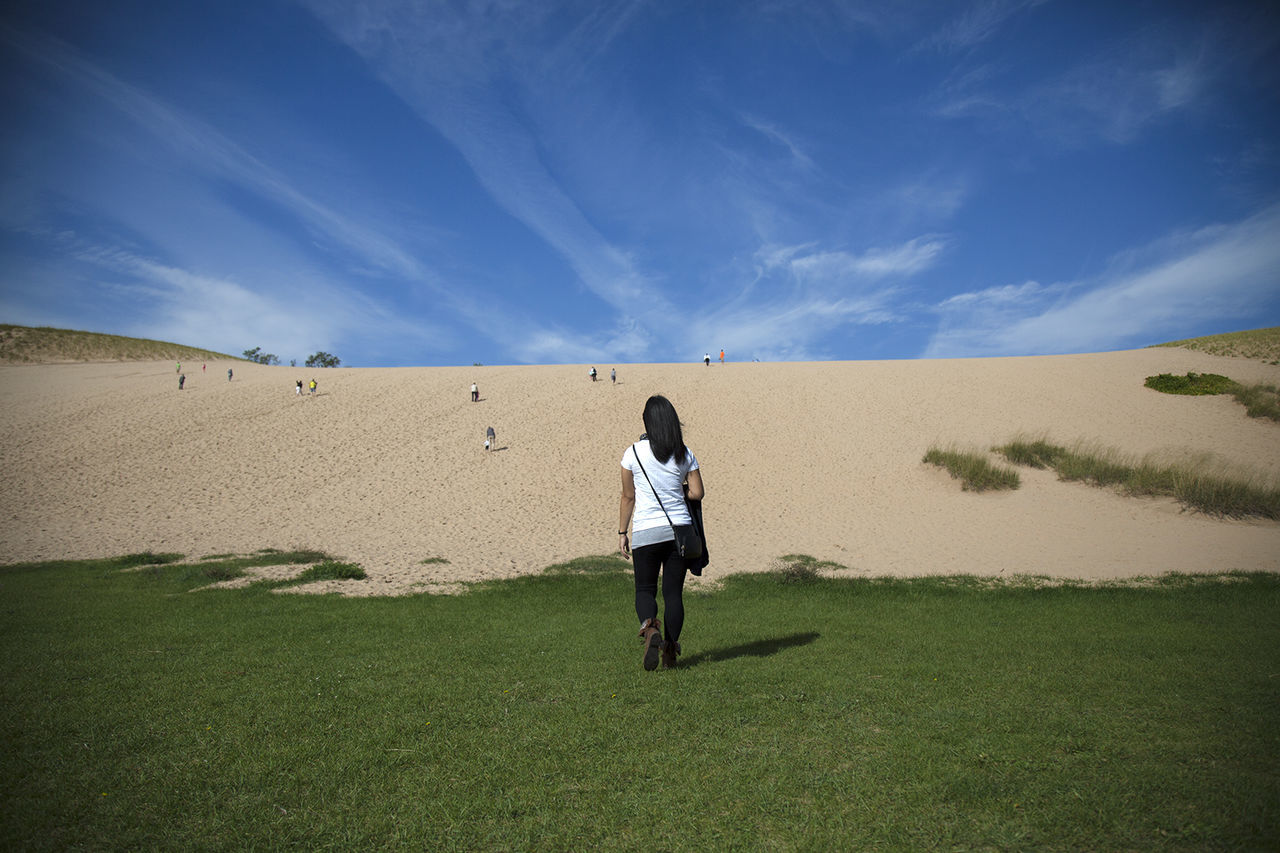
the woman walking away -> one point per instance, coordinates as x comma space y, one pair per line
654, 471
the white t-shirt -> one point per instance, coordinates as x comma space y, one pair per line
667, 478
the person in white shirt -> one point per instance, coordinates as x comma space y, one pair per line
654, 471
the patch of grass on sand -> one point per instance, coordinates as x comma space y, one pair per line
973, 469
45, 345
326, 571
1263, 344
1034, 453
602, 564
217, 568
802, 568
836, 714
1198, 482
146, 558
1193, 384
1260, 401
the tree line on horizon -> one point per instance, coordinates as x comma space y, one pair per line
316, 359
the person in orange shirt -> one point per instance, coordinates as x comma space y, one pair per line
722, 355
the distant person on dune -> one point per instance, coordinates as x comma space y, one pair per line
654, 471
593, 374
182, 378
722, 355
706, 359
490, 439
299, 388
228, 374
312, 386
613, 376
475, 393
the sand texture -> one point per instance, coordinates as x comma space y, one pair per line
386, 467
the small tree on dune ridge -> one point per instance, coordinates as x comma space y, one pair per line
323, 359
259, 357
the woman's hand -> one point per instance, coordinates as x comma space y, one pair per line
624, 546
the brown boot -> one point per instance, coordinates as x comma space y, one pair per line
670, 650
651, 633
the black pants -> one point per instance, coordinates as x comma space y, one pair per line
647, 560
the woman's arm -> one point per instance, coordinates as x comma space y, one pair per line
626, 506
696, 491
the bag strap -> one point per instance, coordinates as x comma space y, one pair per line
656, 496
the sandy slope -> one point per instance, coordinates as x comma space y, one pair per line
385, 466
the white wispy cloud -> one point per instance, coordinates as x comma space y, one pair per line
1114, 95
839, 267
206, 149
1118, 95
771, 131
800, 295
976, 24
220, 312
207, 302
453, 66
930, 197
1225, 272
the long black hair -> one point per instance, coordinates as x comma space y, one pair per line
662, 425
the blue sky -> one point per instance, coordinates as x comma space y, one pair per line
429, 183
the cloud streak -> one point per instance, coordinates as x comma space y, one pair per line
1226, 273
218, 298
452, 70
1114, 95
800, 296
976, 24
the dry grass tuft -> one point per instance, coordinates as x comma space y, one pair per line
973, 469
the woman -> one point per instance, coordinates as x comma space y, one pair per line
661, 459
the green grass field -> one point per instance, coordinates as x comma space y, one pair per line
833, 714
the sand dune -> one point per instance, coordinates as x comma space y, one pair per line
385, 467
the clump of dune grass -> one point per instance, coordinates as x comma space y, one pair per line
1032, 452
1094, 464
1199, 482
1259, 401
973, 469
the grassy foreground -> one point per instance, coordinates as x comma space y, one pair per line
830, 714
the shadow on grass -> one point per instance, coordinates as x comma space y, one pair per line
756, 649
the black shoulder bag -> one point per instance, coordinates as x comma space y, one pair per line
688, 540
